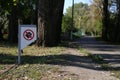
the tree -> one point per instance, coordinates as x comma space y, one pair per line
12, 8
49, 22
118, 23
88, 18
96, 16
3, 22
66, 23
80, 14
111, 14
105, 20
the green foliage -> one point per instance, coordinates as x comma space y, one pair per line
79, 33
95, 57
96, 17
66, 23
106, 66
80, 12
11, 11
25, 8
87, 17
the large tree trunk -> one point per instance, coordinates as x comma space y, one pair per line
118, 23
105, 20
49, 22
13, 26
1, 34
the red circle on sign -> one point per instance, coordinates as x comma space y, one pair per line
28, 34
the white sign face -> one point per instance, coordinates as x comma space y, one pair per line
27, 35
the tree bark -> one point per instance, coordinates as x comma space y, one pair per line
1, 34
118, 23
13, 26
105, 20
49, 22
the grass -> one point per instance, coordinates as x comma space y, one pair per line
117, 73
34, 63
106, 66
1, 67
30, 72
95, 57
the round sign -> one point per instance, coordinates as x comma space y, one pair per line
28, 34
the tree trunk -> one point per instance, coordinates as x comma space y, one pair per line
118, 23
49, 22
13, 26
1, 34
105, 20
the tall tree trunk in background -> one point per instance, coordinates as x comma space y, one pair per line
105, 20
13, 26
54, 22
42, 14
1, 34
118, 23
49, 22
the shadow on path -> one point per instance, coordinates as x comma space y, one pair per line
109, 52
70, 59
91, 43
64, 60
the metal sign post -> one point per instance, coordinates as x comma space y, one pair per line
19, 46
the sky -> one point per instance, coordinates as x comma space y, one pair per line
68, 3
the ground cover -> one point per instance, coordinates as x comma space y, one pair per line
35, 64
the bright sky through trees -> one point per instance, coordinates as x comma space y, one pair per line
68, 3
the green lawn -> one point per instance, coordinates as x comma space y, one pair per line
34, 63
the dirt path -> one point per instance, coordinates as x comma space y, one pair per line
83, 66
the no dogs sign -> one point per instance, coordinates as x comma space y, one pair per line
26, 35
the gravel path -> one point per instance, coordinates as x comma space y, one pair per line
83, 66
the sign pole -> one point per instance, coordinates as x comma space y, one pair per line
19, 45
19, 56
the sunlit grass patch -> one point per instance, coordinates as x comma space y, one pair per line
34, 64
106, 66
38, 72
116, 73
32, 50
95, 57
84, 51
8, 55
30, 72
8, 49
1, 67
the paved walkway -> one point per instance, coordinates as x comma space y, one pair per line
76, 63
84, 68
110, 53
